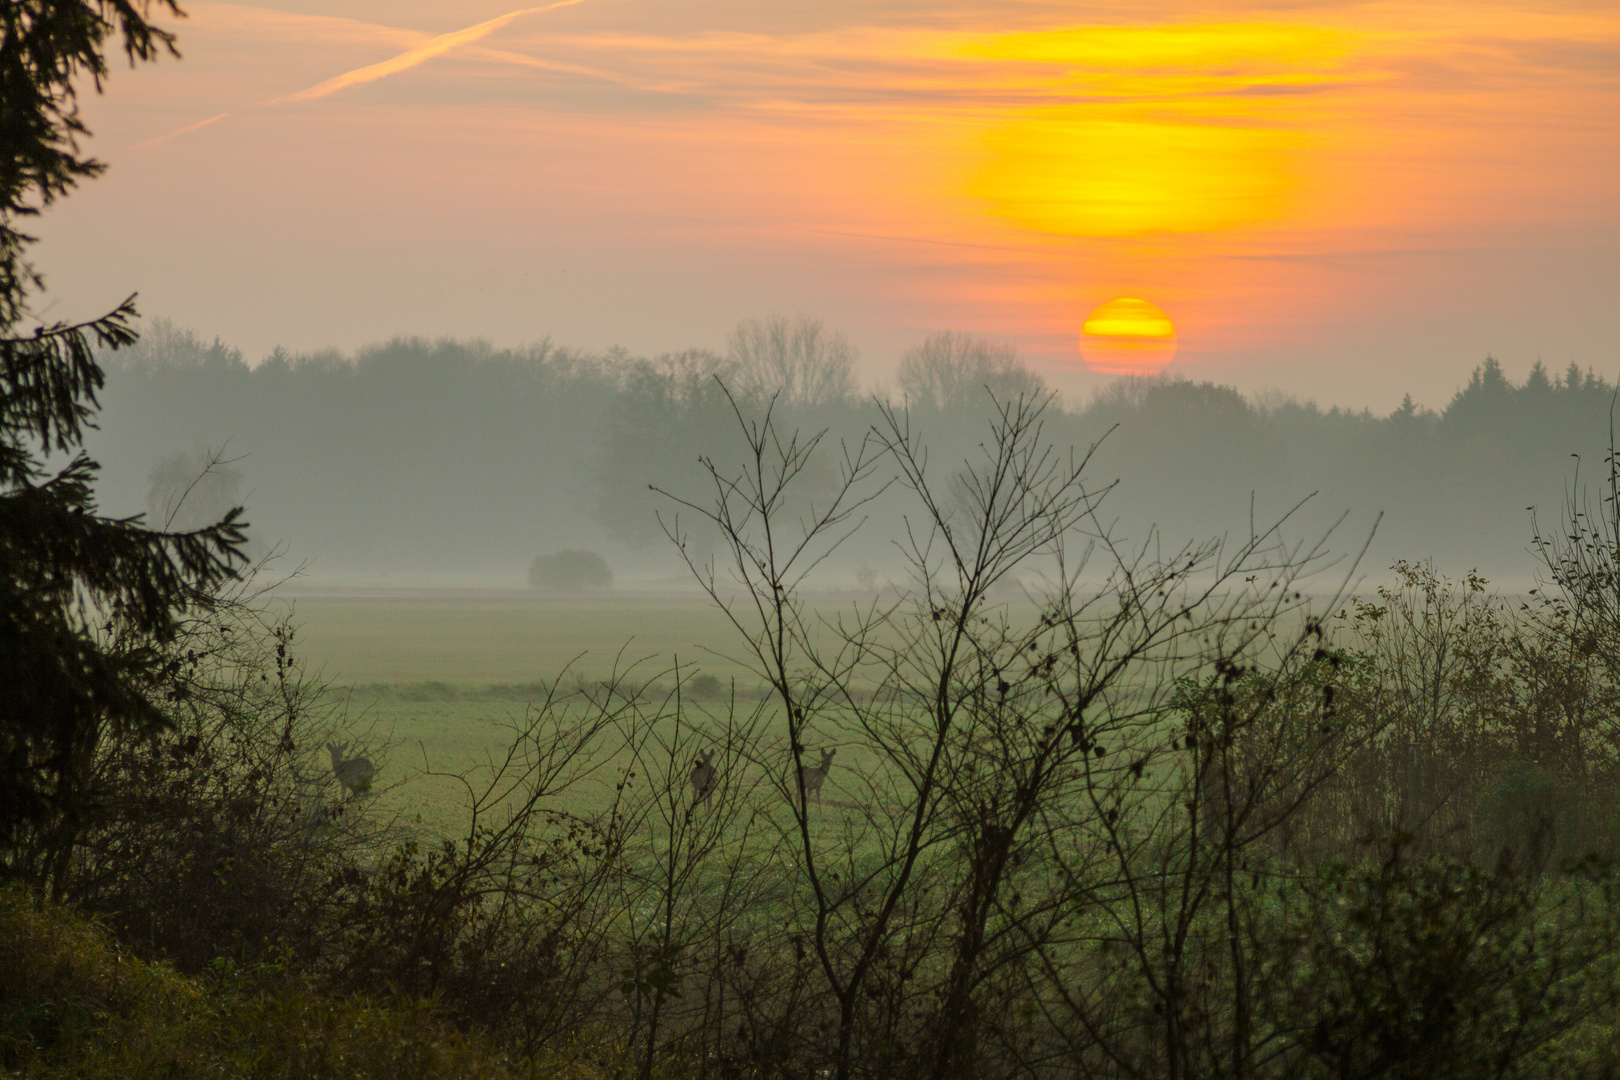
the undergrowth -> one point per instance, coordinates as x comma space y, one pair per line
75, 1004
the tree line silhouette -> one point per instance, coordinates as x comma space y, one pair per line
419, 456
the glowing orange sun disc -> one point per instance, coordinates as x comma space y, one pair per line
1128, 337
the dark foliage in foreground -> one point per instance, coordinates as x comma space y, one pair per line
76, 1004
88, 604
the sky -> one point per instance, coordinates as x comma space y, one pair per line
1347, 202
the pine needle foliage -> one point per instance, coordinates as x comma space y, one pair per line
47, 48
87, 602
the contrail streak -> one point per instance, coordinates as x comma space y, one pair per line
412, 57
437, 46
180, 131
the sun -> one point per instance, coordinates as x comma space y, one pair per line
1128, 337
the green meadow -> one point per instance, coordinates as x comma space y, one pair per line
438, 677
438, 680
467, 639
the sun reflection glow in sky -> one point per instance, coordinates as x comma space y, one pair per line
1160, 129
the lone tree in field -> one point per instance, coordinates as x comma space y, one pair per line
86, 601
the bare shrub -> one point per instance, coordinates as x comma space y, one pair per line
224, 835
1007, 760
502, 924
1493, 728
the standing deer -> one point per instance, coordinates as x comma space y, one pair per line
704, 777
354, 773
813, 776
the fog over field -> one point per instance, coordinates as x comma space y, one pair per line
457, 462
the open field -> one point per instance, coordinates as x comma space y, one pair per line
440, 677
482, 637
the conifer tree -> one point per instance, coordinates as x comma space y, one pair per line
88, 603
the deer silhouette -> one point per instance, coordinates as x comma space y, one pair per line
813, 776
705, 778
354, 773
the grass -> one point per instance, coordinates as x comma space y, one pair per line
441, 677
461, 640
438, 678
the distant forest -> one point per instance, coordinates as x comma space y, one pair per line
421, 457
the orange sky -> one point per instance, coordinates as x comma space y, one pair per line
1346, 201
